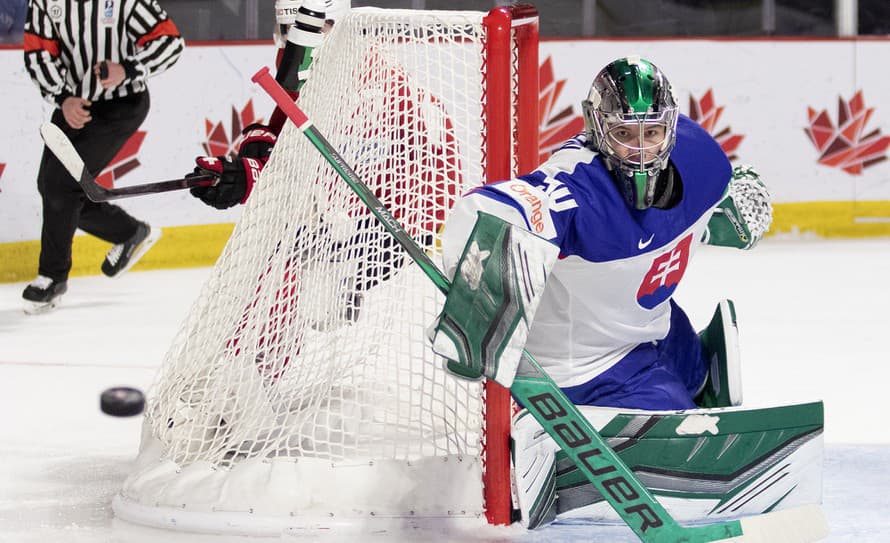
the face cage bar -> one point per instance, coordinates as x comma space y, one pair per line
666, 119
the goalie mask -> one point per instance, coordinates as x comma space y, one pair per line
631, 118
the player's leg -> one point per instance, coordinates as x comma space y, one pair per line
646, 378
723, 385
61, 201
641, 380
708, 463
114, 122
534, 468
681, 353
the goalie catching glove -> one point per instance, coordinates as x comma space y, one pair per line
495, 292
236, 176
745, 215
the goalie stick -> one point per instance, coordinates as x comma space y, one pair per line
618, 484
59, 144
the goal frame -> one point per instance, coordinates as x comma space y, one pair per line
510, 123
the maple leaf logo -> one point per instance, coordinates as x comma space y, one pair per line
844, 146
220, 143
706, 113
555, 128
2, 167
123, 162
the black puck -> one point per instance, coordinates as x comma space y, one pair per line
122, 402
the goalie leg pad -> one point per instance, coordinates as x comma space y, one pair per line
720, 341
492, 300
706, 464
534, 463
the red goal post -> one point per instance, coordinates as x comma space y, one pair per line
511, 149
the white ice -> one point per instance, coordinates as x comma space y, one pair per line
812, 317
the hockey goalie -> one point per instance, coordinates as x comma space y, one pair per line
578, 262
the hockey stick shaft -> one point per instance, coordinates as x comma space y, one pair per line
59, 144
617, 483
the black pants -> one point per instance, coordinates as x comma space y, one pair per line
65, 206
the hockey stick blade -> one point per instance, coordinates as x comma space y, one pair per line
577, 437
59, 144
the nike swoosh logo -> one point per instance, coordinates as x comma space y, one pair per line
643, 244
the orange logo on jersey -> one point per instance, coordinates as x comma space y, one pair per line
536, 217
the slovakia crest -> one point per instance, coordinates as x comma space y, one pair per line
664, 275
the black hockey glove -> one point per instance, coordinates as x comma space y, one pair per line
236, 179
258, 141
236, 176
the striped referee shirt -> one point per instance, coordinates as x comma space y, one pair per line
64, 39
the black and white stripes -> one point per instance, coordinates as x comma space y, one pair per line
64, 39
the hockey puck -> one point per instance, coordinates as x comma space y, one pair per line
103, 70
122, 402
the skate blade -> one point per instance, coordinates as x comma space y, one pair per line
39, 308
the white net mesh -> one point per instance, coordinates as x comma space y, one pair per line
308, 341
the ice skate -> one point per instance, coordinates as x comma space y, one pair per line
43, 294
122, 256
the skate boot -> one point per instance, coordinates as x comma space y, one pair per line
122, 256
720, 342
43, 294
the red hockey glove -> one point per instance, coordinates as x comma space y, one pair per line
258, 141
236, 179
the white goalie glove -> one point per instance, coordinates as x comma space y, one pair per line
745, 215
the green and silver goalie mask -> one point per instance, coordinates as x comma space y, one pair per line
631, 118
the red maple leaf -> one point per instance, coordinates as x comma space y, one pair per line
123, 162
844, 146
555, 128
2, 167
220, 143
706, 112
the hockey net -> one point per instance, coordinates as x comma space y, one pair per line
301, 390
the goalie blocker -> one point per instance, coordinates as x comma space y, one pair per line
494, 294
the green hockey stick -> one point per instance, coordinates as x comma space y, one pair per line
559, 417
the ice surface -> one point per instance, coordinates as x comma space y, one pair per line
813, 324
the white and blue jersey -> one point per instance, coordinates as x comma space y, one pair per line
609, 292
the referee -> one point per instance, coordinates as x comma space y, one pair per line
91, 58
